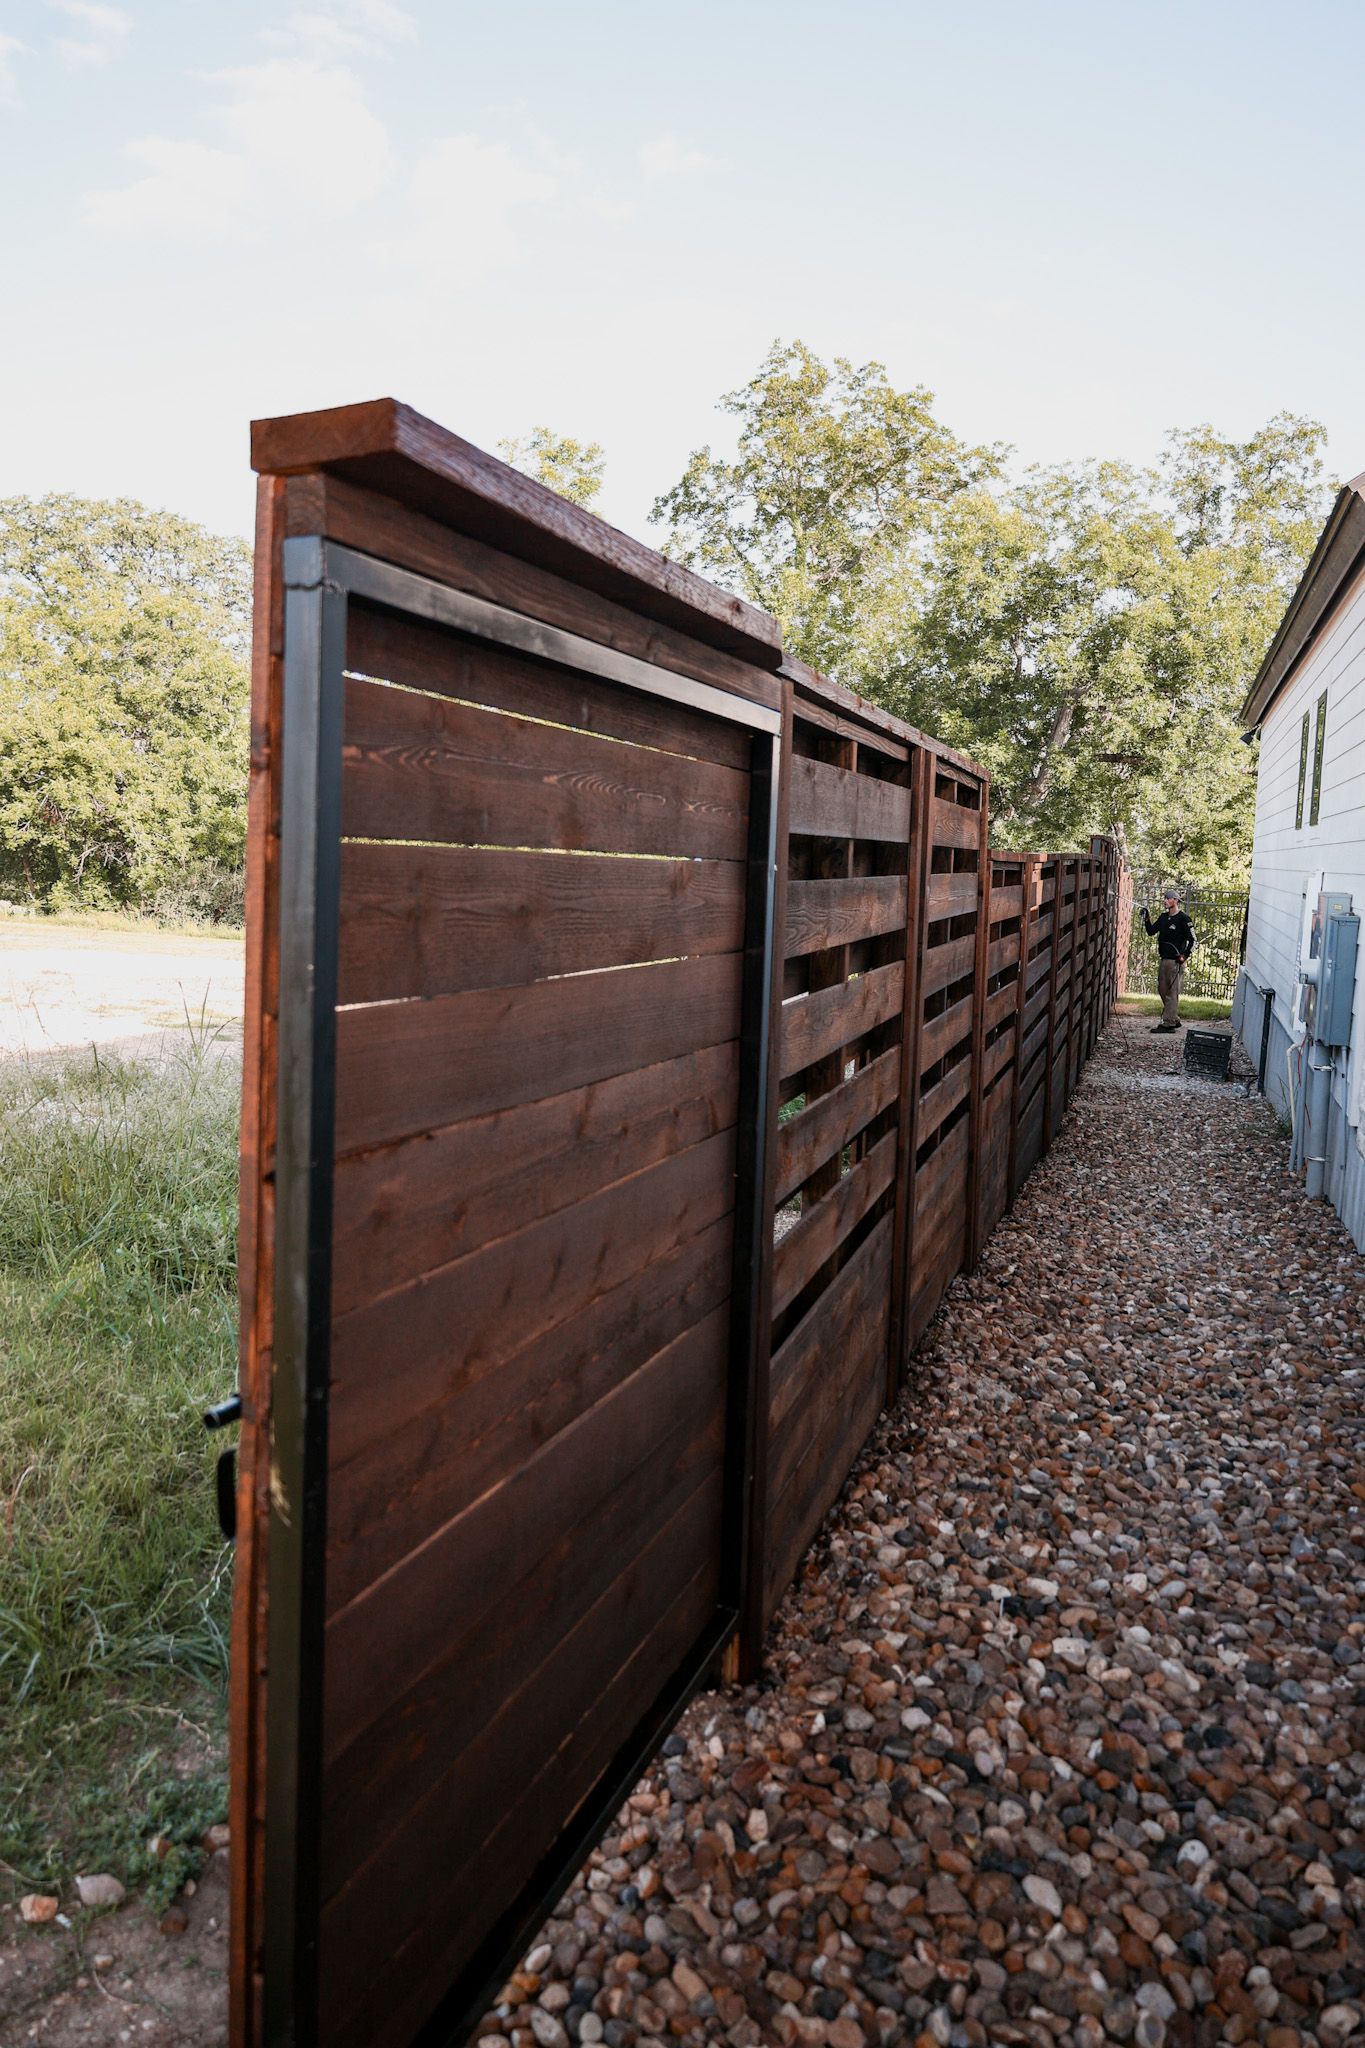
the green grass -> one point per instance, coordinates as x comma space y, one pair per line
117, 1326
1203, 1009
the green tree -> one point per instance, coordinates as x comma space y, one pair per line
1087, 633
123, 700
573, 468
825, 514
1090, 634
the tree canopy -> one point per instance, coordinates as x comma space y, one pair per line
573, 468
1086, 632
123, 700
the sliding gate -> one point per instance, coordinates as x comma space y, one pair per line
506, 1161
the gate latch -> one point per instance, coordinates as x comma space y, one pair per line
225, 1478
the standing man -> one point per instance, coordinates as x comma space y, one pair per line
1174, 935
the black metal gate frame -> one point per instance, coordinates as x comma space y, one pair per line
319, 578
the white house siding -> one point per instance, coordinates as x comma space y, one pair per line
1329, 855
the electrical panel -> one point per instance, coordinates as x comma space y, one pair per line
1336, 979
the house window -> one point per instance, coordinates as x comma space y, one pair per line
1303, 774
1319, 737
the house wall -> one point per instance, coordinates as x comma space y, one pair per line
1289, 867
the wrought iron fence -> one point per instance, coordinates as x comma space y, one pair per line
1219, 919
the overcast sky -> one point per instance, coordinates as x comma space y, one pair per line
1078, 224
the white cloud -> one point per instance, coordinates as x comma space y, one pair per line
352, 27
106, 30
10, 46
666, 157
296, 134
466, 199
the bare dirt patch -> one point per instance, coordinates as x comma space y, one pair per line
67, 986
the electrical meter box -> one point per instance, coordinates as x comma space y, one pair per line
1330, 971
1337, 980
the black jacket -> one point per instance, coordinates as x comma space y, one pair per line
1174, 935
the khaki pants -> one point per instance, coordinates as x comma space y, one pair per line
1169, 977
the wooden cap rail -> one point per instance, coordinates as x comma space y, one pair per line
641, 1035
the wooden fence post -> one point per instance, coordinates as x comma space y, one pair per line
978, 1055
912, 1015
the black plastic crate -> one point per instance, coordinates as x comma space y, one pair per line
1207, 1054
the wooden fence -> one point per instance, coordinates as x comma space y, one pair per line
640, 1037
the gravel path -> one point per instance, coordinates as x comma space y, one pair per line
1063, 1739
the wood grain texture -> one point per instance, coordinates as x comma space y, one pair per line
805, 1141
409, 1067
821, 914
837, 803
437, 920
824, 1226
405, 1209
820, 1023
418, 766
393, 449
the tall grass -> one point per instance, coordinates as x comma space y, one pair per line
117, 1326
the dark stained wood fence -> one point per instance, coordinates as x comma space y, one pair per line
620, 1102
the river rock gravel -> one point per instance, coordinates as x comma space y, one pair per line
1062, 1735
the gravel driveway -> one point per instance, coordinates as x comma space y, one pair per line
1063, 1739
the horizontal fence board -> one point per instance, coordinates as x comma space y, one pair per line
602, 1670
933, 1181
821, 914
953, 825
942, 1033
837, 803
942, 1099
424, 658
1002, 1004
623, 1464
1002, 953
798, 1256
950, 896
437, 920
409, 1067
406, 1209
1006, 901
812, 1026
943, 965
429, 768
462, 1432
805, 1141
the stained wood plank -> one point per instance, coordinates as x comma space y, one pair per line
426, 658
1007, 900
998, 1056
1001, 953
395, 450
510, 1574
402, 1210
816, 1134
821, 914
823, 1227
417, 766
436, 920
838, 803
950, 896
815, 1025
942, 1033
953, 825
412, 1472
413, 1911
934, 1180
409, 1067
945, 964
1002, 1004
470, 1318
940, 1100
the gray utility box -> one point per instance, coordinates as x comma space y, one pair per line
1336, 979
